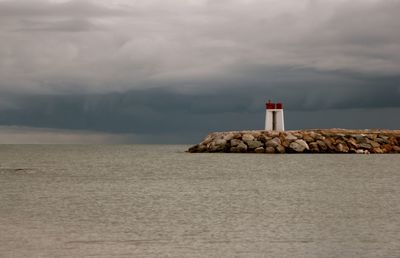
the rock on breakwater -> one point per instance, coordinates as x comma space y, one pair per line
302, 141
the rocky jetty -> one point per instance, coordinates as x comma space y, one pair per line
302, 141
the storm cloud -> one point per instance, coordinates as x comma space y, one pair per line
183, 68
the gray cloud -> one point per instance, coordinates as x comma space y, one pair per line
130, 66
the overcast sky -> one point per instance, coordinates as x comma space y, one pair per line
170, 71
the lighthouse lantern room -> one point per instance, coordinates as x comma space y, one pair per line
274, 120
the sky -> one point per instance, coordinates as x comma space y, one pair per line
171, 71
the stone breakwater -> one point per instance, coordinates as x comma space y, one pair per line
302, 141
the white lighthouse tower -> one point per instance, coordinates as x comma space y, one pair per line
274, 120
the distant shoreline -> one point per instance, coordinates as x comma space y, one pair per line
376, 141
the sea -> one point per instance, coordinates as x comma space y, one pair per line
159, 201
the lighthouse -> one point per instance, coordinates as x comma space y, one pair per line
274, 120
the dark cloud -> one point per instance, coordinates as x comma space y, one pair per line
190, 115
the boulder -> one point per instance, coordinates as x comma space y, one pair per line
374, 144
286, 143
235, 142
393, 141
361, 138
314, 147
274, 142
237, 136
308, 138
263, 138
377, 150
270, 150
322, 146
208, 139
256, 134
387, 148
254, 144
365, 145
228, 137
396, 149
280, 149
220, 142
299, 146
329, 143
247, 137
298, 135
217, 146
318, 136
240, 148
381, 140
351, 142
342, 148
274, 134
259, 150
290, 137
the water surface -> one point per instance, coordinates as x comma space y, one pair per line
157, 201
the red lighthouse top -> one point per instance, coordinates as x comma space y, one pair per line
270, 105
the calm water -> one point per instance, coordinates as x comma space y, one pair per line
156, 201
